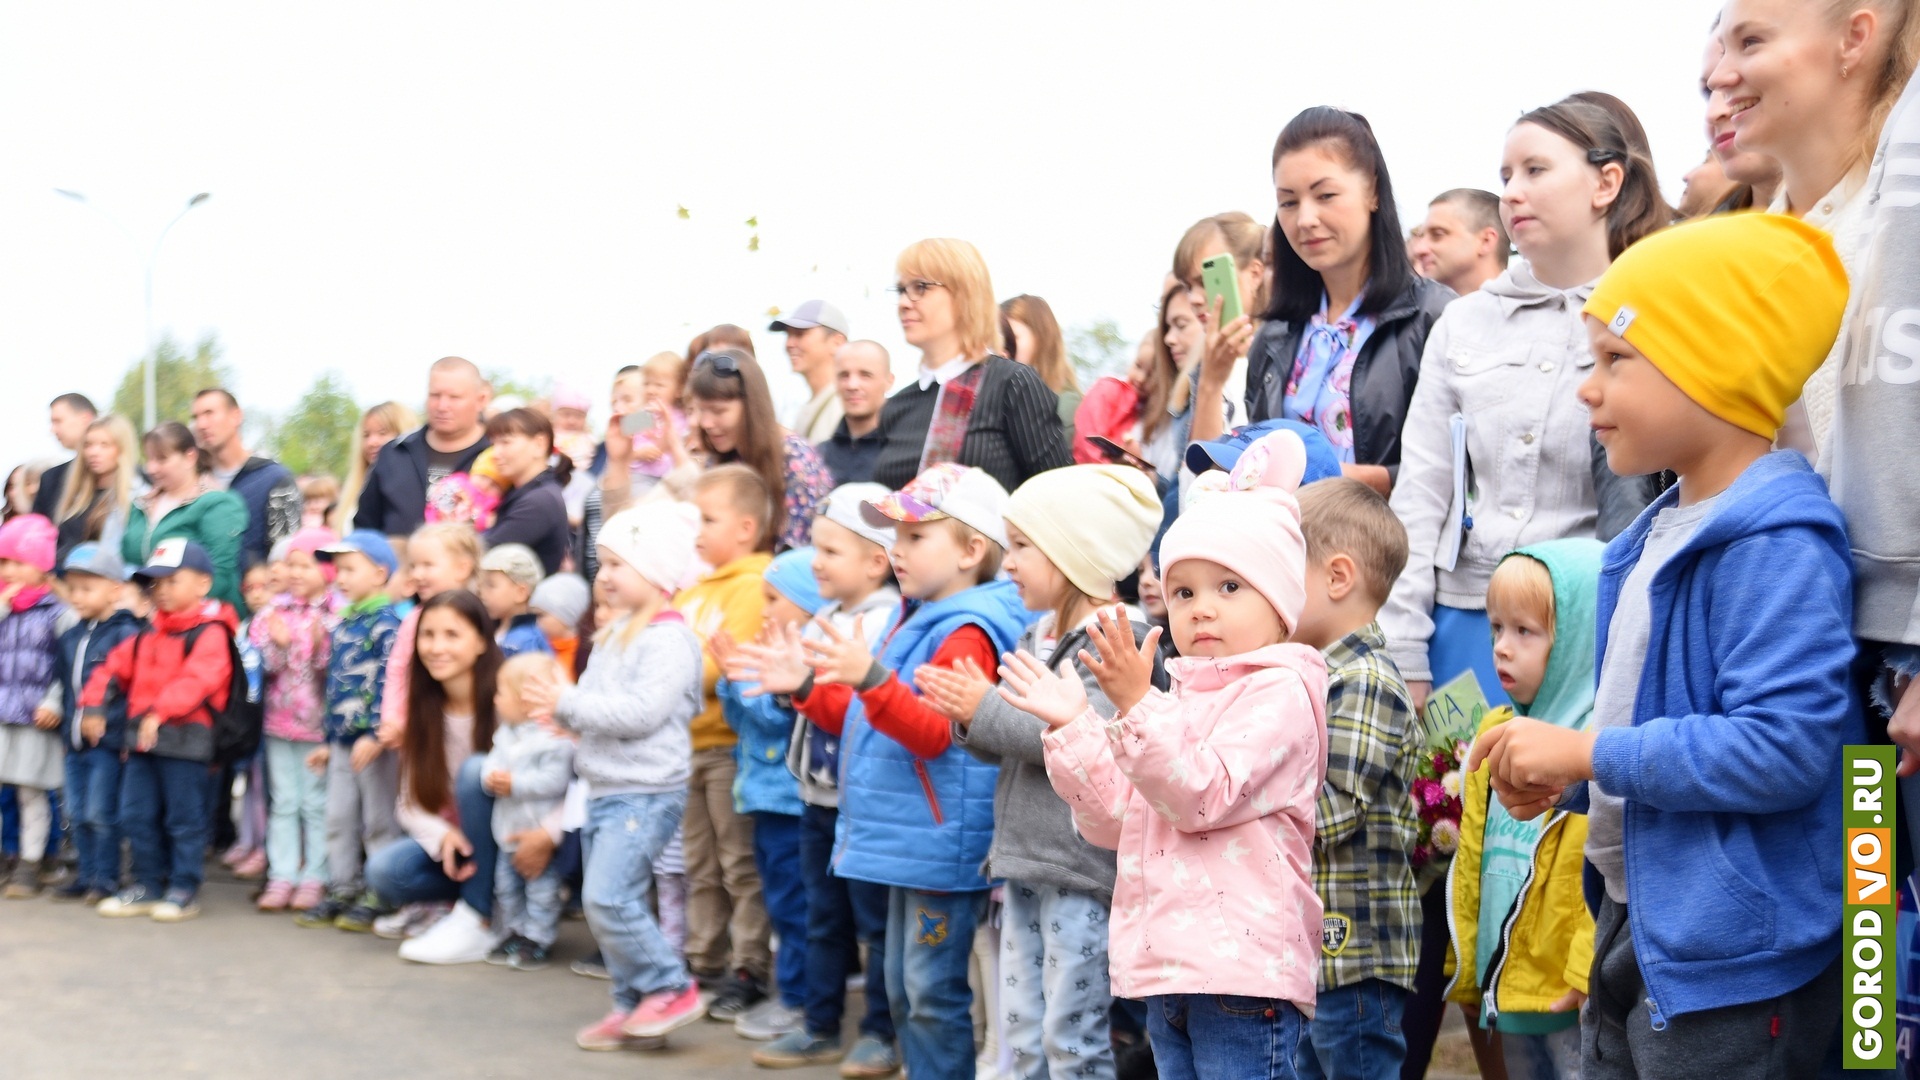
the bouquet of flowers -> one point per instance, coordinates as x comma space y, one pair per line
1453, 715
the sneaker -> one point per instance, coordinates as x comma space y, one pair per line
70, 892
278, 897
361, 915
322, 913
870, 1058
532, 956
592, 967
251, 868
503, 953
665, 1011
768, 1020
460, 938
606, 1035
796, 1049
234, 854
306, 895
178, 906
736, 995
129, 903
24, 882
94, 897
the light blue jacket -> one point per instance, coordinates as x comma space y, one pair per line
761, 781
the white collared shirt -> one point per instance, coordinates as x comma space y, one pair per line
946, 371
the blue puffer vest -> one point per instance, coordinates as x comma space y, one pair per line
28, 650
922, 824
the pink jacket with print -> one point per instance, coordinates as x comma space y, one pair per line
296, 674
1207, 793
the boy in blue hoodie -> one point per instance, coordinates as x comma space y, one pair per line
1710, 773
916, 811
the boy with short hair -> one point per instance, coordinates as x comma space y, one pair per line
1710, 773
723, 886
172, 678
363, 780
1365, 820
95, 579
508, 576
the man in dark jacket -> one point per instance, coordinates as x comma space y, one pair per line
862, 375
70, 414
265, 485
394, 500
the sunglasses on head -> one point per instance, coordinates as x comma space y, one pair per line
722, 363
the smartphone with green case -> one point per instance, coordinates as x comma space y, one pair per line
1222, 281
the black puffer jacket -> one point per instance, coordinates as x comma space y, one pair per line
1383, 375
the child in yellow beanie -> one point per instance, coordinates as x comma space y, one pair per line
1710, 770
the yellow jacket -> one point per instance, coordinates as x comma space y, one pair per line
1550, 940
728, 599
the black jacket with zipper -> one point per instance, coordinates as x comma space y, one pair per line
394, 500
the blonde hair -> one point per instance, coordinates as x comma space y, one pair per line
1900, 25
746, 492
989, 567
1523, 584
958, 266
396, 418
1339, 516
457, 539
515, 669
1245, 240
1049, 359
668, 365
320, 487
81, 485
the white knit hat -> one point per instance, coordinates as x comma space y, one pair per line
656, 539
1093, 522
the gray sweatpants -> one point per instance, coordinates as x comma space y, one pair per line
1787, 1038
360, 815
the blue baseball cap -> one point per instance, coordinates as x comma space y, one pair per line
1225, 451
369, 542
95, 559
171, 556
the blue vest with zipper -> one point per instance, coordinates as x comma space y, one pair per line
919, 824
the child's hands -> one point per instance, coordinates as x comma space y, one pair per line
497, 783
839, 658
954, 692
45, 719
1028, 685
777, 664
391, 734
93, 728
365, 750
1124, 673
540, 693
277, 631
1529, 762
646, 453
317, 761
667, 434
723, 648
1568, 1002
149, 735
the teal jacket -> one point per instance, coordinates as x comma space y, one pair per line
216, 520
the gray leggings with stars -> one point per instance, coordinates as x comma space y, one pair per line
1054, 991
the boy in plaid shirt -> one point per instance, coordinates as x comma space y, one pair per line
1370, 941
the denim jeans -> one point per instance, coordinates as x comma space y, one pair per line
625, 835
840, 915
403, 872
929, 941
297, 819
1542, 1057
1355, 1033
776, 854
163, 812
360, 813
529, 907
1216, 1035
93, 798
1054, 993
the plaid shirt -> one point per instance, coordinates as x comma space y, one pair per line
1367, 821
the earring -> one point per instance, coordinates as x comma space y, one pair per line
1843, 71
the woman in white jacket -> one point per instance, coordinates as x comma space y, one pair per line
1495, 415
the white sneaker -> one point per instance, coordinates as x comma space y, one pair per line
768, 1020
410, 921
460, 938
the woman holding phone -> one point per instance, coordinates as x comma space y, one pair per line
448, 851
1348, 319
969, 404
1229, 247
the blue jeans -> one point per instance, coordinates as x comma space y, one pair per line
929, 942
403, 872
163, 812
1054, 992
776, 854
1224, 1037
840, 915
93, 797
1355, 1033
624, 837
529, 907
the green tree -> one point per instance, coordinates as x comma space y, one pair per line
177, 376
316, 436
506, 383
1098, 348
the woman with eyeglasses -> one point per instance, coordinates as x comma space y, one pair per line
969, 405
732, 415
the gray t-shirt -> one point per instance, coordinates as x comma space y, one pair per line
223, 478
1628, 636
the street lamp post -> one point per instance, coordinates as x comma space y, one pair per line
147, 376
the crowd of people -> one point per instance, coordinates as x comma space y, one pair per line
1095, 730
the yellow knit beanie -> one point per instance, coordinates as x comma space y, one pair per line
1737, 310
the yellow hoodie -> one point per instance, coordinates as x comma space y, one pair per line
728, 599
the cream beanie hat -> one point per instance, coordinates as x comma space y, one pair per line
1093, 522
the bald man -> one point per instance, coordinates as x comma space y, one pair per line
862, 375
394, 500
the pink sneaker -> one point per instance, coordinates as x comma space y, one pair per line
251, 868
308, 896
234, 854
667, 1010
606, 1035
276, 897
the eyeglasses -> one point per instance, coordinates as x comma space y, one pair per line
721, 363
916, 289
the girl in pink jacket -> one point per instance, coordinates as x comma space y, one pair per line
1207, 790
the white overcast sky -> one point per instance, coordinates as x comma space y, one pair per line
396, 182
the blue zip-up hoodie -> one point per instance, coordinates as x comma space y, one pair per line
1731, 768
922, 824
97, 639
762, 783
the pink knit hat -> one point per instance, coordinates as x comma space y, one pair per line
30, 539
1249, 522
310, 540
